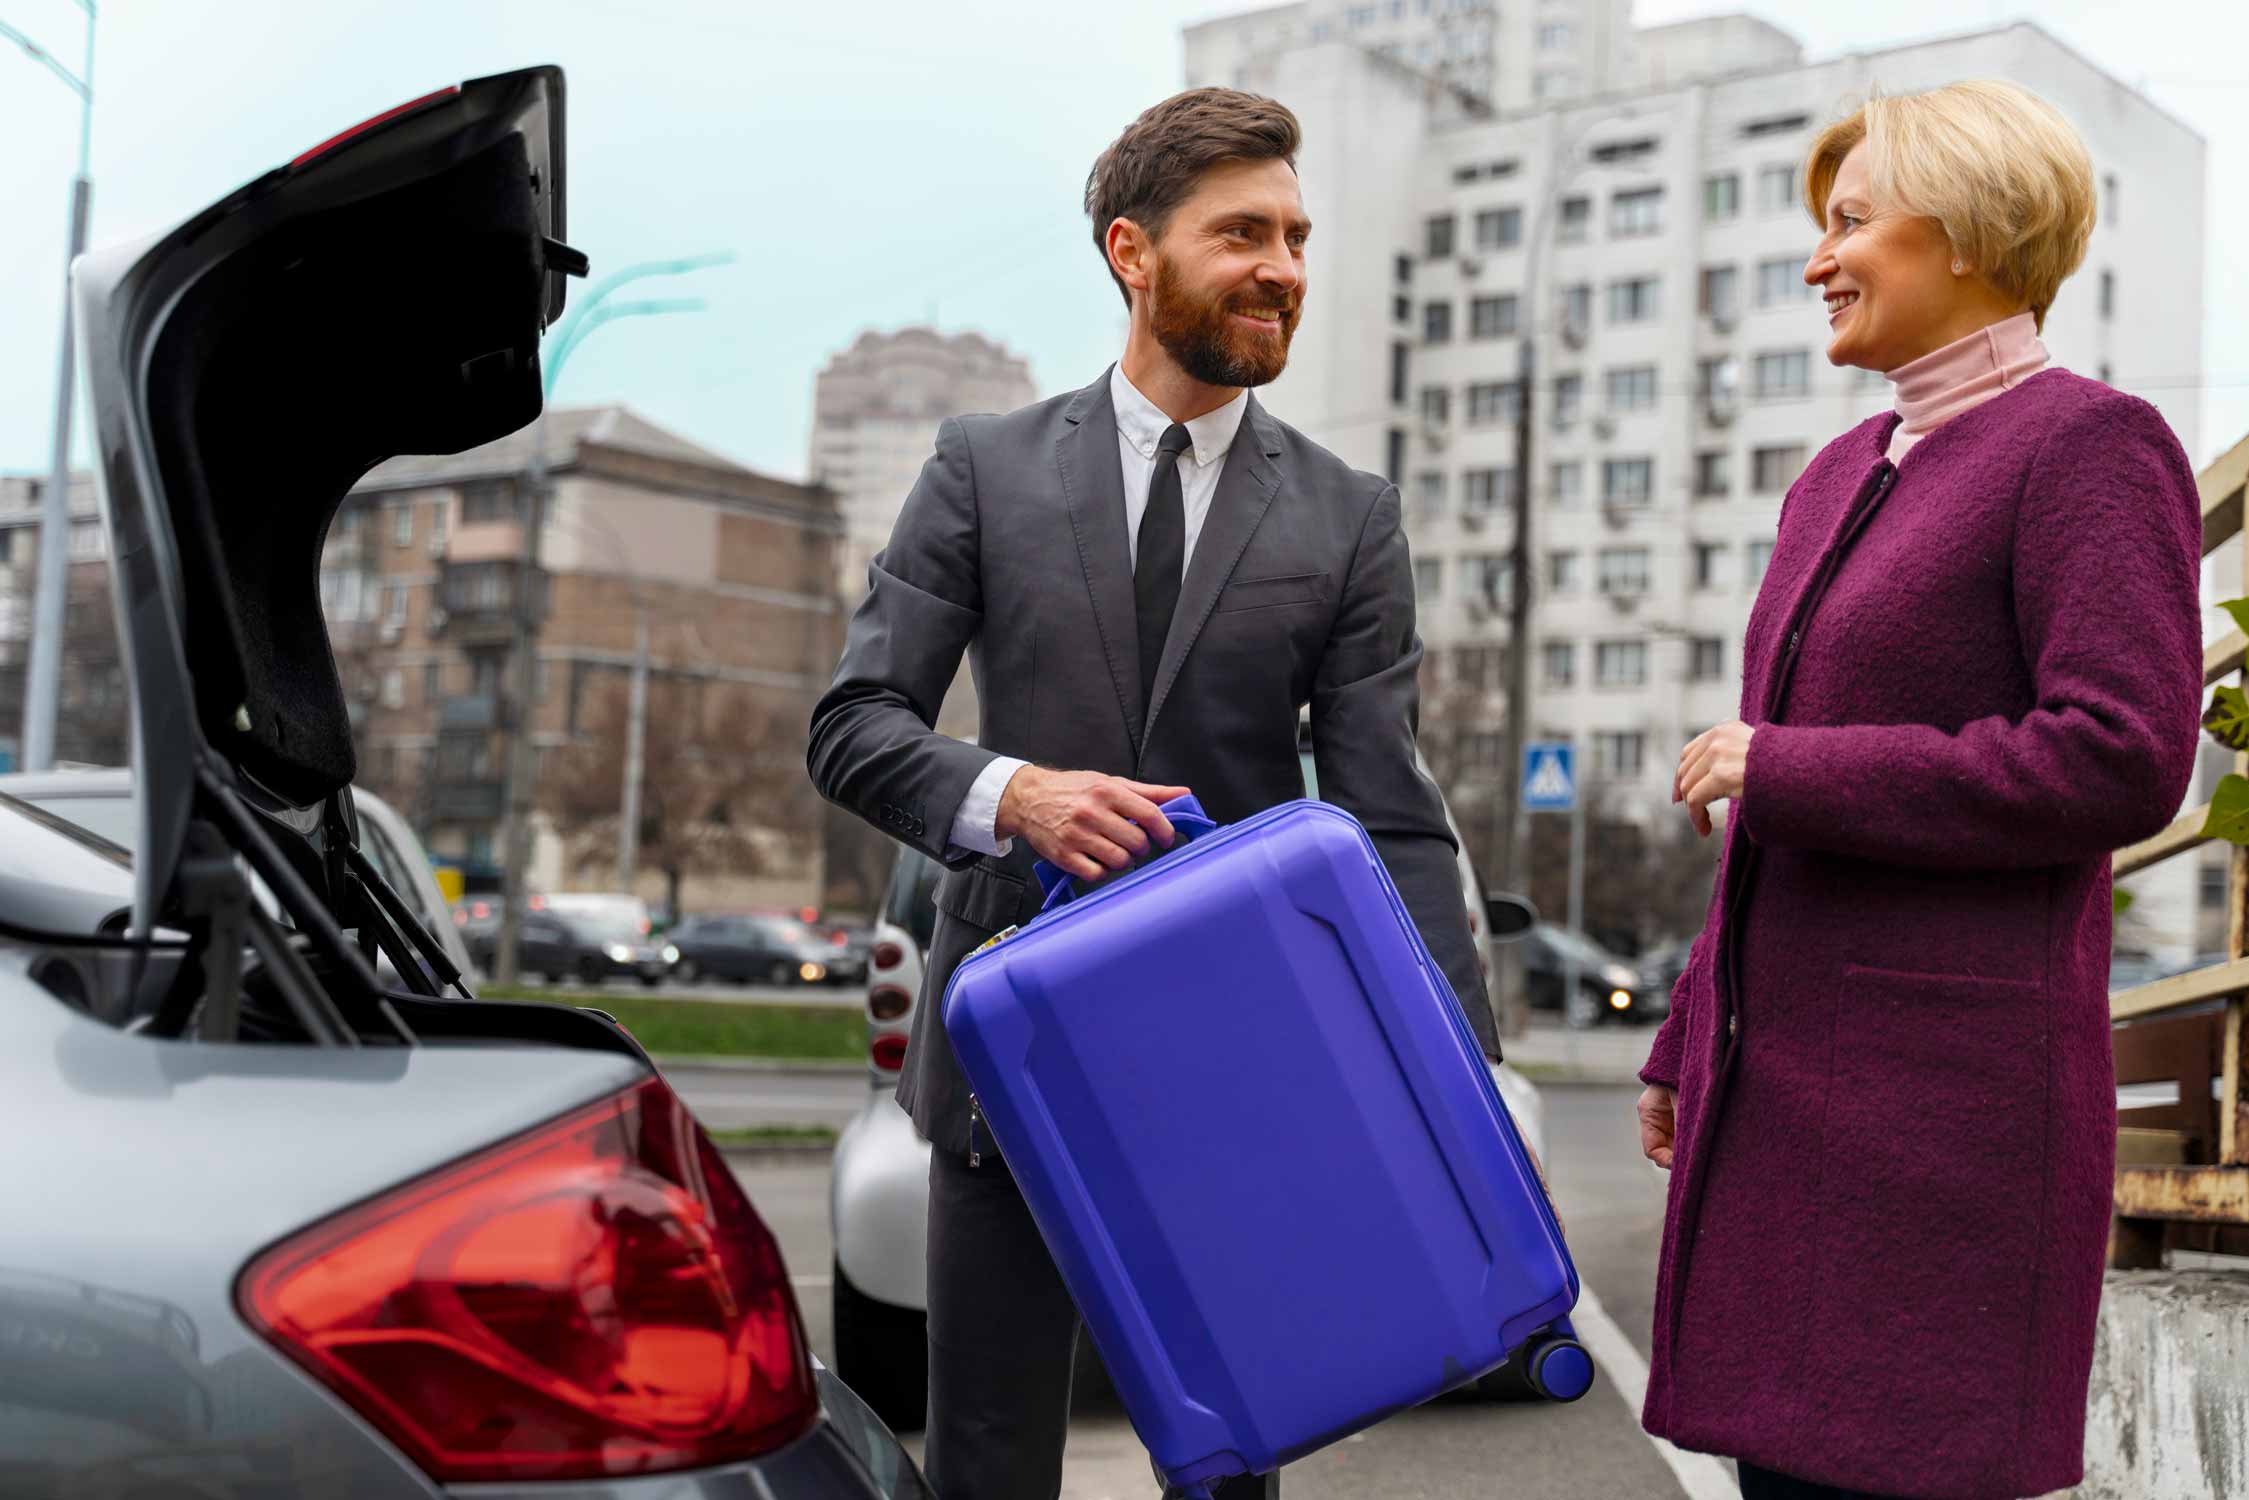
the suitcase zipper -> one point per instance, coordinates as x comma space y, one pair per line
975, 1157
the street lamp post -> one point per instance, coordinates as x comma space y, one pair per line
521, 773
43, 689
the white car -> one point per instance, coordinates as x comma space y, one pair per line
879, 1190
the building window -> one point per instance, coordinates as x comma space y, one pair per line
1436, 405
1622, 570
394, 689
439, 526
1560, 660
1577, 306
394, 606
1476, 666
2108, 294
1436, 236
1428, 579
1555, 35
1760, 553
433, 682
1620, 664
1627, 481
1397, 454
1781, 375
1706, 660
2103, 374
1721, 197
1637, 300
490, 500
1428, 495
1499, 228
1621, 754
1402, 269
343, 593
1720, 296
1630, 388
1401, 309
1565, 484
1494, 317
2215, 882
1774, 125
85, 544
1708, 558
1569, 398
1400, 353
1773, 470
402, 525
1563, 575
1483, 491
1714, 478
1776, 187
1636, 213
1489, 577
1491, 401
1576, 224
1436, 322
2108, 195
1782, 280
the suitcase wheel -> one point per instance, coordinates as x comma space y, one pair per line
1560, 1369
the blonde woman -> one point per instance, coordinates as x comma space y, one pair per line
1885, 1091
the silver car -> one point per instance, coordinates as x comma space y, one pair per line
282, 1228
878, 1203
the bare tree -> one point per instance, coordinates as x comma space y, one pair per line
720, 784
1645, 882
93, 720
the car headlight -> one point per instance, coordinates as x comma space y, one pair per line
619, 952
1620, 999
671, 954
811, 973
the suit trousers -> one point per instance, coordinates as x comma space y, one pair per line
1003, 1338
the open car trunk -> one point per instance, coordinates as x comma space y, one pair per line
382, 294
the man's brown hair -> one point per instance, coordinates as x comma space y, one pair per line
1152, 168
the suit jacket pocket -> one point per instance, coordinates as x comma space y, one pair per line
1270, 593
979, 895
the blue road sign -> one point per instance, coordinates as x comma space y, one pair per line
1549, 777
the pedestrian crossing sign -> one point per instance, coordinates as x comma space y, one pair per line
1549, 777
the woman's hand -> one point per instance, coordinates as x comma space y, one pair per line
1655, 1108
1711, 768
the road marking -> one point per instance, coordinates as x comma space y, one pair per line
816, 1283
1700, 1475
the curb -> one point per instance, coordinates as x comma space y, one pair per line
802, 1067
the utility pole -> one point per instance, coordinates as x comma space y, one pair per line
1514, 861
43, 687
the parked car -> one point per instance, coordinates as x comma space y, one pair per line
1609, 989
407, 1241
759, 948
879, 1188
102, 800
589, 946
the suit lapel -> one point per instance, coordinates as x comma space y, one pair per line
1245, 490
1093, 486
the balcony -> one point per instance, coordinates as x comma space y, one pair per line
474, 713
466, 802
476, 601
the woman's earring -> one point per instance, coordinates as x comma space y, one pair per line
1959, 267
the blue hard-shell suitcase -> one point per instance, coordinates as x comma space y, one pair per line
1262, 1144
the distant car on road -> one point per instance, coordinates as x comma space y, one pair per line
879, 1188
1608, 988
588, 946
759, 948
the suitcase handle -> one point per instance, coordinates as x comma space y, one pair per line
1188, 821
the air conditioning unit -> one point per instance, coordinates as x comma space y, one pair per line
1476, 610
1573, 333
1471, 266
436, 619
1720, 410
1471, 520
1604, 427
393, 630
1725, 319
1435, 434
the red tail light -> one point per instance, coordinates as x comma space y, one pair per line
887, 1002
411, 106
888, 955
889, 1053
594, 1299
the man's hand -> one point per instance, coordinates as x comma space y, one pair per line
1655, 1108
1711, 768
1082, 822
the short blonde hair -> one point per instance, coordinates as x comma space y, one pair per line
1998, 167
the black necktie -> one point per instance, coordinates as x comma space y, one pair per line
1163, 556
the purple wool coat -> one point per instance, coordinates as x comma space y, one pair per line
1972, 677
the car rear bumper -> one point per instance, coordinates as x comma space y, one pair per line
850, 1455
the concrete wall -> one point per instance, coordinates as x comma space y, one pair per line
2169, 1412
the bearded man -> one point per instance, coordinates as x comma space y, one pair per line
1152, 578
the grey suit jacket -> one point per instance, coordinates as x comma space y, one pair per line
1012, 548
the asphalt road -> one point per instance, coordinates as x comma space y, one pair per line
1612, 1202
843, 996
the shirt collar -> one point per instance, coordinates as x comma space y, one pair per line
1142, 423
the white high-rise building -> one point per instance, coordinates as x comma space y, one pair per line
1681, 376
875, 411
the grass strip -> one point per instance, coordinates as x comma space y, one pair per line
717, 1028
766, 1137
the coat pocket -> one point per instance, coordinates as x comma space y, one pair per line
1926, 1226
979, 895
1268, 593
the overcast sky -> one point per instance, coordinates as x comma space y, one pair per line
872, 162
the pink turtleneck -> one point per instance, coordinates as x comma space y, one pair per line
1967, 372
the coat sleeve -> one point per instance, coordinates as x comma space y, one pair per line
2105, 568
873, 751
1669, 1045
1366, 708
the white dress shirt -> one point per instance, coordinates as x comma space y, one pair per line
1140, 426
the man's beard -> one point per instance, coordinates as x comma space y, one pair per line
1202, 337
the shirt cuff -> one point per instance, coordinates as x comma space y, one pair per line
975, 825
